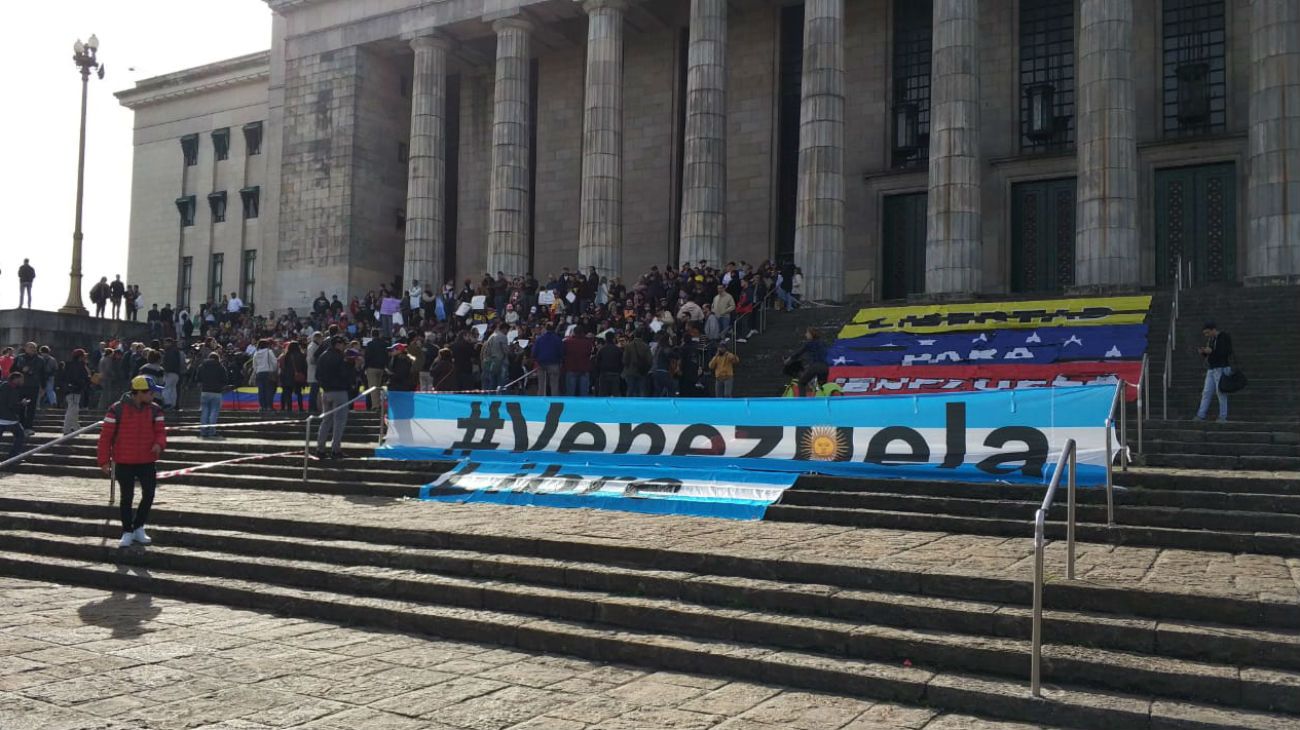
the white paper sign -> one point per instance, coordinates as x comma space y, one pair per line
546, 298
512, 335
523, 344
481, 329
656, 325
479, 302
570, 297
462, 310
569, 332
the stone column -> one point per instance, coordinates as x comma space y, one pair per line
704, 172
507, 244
600, 236
819, 217
1106, 251
1273, 188
953, 216
426, 183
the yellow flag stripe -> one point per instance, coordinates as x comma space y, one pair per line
999, 315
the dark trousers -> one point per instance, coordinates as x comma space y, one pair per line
20, 437
287, 393
127, 474
609, 385
28, 414
313, 397
266, 391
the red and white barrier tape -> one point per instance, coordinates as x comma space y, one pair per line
236, 424
201, 467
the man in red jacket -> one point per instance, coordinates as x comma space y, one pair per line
133, 437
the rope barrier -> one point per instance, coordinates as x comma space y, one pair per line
213, 464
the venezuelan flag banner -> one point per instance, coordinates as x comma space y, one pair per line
992, 346
999, 315
245, 399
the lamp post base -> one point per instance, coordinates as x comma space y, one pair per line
79, 311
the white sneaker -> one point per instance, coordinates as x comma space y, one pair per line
140, 537
127, 539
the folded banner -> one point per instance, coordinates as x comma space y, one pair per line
731, 493
1005, 435
1015, 346
245, 399
892, 380
999, 315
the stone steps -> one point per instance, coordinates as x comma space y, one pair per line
812, 636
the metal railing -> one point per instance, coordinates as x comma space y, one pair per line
49, 444
1171, 340
1117, 404
1069, 459
306, 442
1142, 397
521, 379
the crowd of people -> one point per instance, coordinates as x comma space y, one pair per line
669, 333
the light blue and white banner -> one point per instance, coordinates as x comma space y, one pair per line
981, 436
731, 493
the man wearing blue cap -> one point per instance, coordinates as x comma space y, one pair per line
133, 437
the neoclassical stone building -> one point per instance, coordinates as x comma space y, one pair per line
888, 147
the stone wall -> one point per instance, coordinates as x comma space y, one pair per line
379, 176
476, 95
64, 332
316, 185
649, 159
559, 160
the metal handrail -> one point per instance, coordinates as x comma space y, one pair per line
1116, 404
1069, 458
1142, 396
1171, 341
306, 442
49, 445
521, 379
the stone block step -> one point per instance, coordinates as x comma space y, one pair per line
1092, 512
1126, 601
1197, 461
1214, 447
1247, 439
1241, 424
1007, 699
1135, 487
832, 646
1120, 534
1186, 640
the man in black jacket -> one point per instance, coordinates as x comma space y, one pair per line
212, 385
12, 406
30, 363
76, 379
335, 375
1217, 352
376, 363
25, 276
173, 362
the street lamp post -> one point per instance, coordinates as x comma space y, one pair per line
85, 56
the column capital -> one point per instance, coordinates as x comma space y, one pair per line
432, 41
515, 22
591, 6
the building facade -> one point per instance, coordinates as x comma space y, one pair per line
887, 147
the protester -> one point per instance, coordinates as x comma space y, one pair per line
578, 349
99, 296
26, 274
1217, 353
548, 351
315, 348
76, 378
723, 366
812, 355
12, 406
443, 370
32, 366
636, 364
173, 362
212, 385
264, 372
130, 442
51, 372
293, 376
401, 369
336, 376
496, 356
116, 291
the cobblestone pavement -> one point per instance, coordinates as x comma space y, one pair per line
1245, 576
83, 659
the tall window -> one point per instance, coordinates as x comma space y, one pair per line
221, 144
186, 282
248, 277
217, 202
1194, 90
913, 28
190, 149
1046, 75
252, 198
215, 283
253, 138
185, 206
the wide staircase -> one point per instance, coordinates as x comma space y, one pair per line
1119, 653
762, 356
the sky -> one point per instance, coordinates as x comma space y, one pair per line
38, 127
